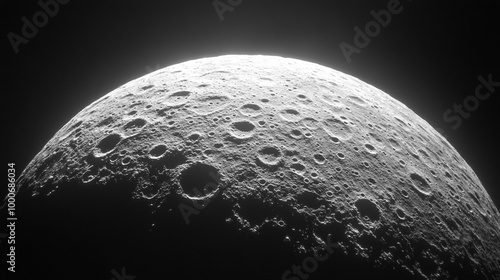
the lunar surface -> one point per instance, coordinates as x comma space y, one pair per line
253, 167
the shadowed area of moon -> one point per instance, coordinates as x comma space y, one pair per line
272, 157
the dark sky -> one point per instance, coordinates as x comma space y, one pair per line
428, 56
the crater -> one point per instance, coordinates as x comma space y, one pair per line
105, 122
337, 128
420, 184
108, 143
319, 158
368, 209
310, 123
400, 213
370, 148
290, 115
134, 126
296, 134
158, 151
210, 103
297, 167
193, 137
177, 98
199, 180
244, 126
250, 110
269, 156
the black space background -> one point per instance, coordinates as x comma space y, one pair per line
429, 57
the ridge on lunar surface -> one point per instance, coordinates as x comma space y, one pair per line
303, 153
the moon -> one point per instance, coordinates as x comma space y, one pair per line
249, 166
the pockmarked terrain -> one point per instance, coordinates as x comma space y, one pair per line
294, 154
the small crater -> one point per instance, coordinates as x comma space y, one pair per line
108, 143
319, 158
113, 157
134, 126
199, 180
177, 98
158, 151
337, 128
105, 122
162, 112
297, 167
450, 223
369, 148
400, 213
244, 126
437, 220
310, 123
404, 194
335, 139
210, 103
181, 94
251, 110
296, 134
126, 160
218, 145
469, 208
269, 156
193, 137
420, 184
368, 209
291, 115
